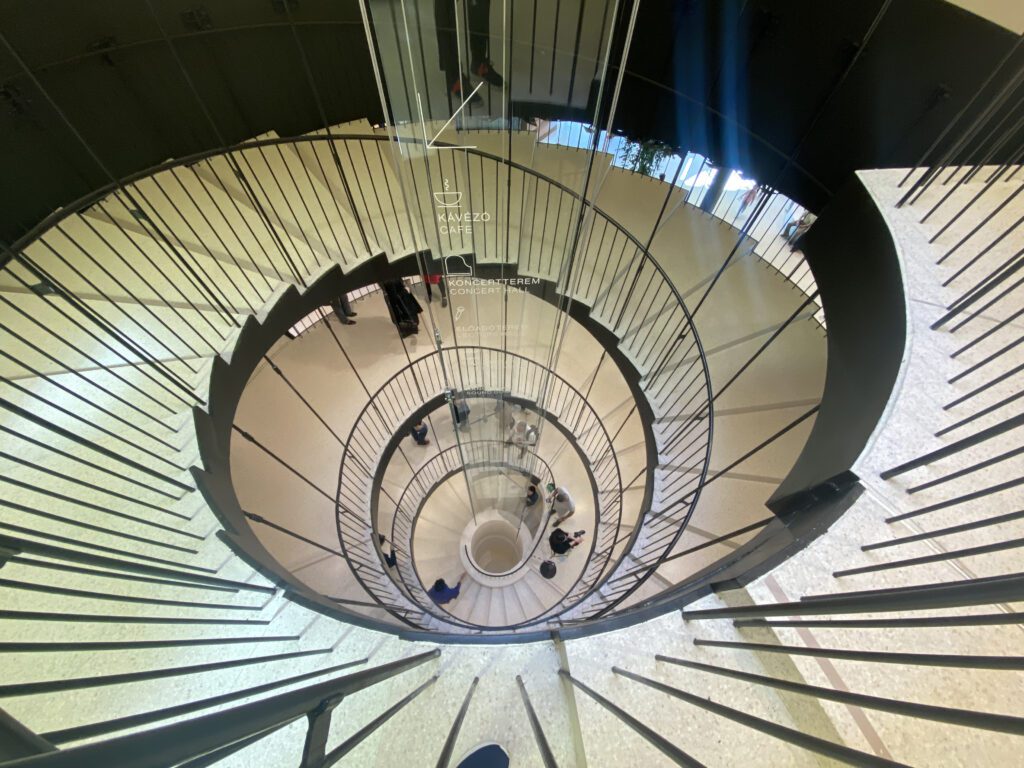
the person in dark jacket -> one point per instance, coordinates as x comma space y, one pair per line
391, 559
402, 306
442, 594
561, 542
419, 433
532, 496
461, 409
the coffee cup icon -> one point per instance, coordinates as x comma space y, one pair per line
448, 199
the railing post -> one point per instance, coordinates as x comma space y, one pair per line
453, 734
319, 728
542, 743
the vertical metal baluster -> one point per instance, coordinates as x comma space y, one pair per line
61, 338
78, 273
156, 292
229, 225
199, 240
236, 170
45, 377
302, 199
41, 275
219, 333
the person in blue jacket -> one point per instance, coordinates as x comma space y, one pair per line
441, 593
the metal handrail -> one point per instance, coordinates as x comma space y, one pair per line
424, 467
640, 259
446, 476
428, 610
197, 736
546, 756
382, 461
646, 257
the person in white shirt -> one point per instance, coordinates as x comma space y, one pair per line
523, 435
562, 505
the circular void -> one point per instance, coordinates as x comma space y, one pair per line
468, 514
494, 548
584, 426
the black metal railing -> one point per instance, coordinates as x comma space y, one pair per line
195, 240
289, 222
218, 735
469, 455
615, 276
674, 364
526, 381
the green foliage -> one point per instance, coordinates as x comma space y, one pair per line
644, 156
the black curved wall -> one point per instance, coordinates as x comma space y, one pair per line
747, 82
853, 257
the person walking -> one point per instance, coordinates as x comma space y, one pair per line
562, 505
391, 559
402, 306
442, 594
419, 433
804, 224
343, 310
748, 198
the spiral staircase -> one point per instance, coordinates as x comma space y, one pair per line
200, 459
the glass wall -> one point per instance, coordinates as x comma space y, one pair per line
462, 83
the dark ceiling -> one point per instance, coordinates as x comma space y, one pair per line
749, 83
107, 66
800, 93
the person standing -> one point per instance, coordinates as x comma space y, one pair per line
522, 435
442, 288
419, 433
748, 198
804, 224
343, 309
402, 306
562, 504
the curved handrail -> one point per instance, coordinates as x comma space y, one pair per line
388, 450
641, 257
509, 572
646, 258
543, 615
444, 478
456, 448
